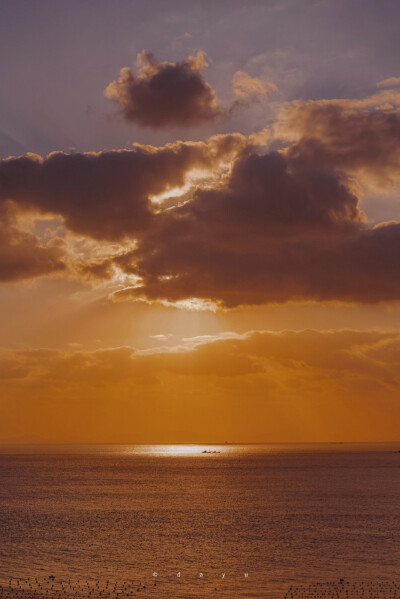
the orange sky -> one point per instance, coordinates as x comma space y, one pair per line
229, 273
297, 386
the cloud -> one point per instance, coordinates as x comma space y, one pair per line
22, 255
339, 352
389, 82
257, 382
224, 223
165, 94
245, 86
358, 137
273, 233
325, 362
106, 195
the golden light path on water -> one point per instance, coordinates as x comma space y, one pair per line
178, 450
234, 450
228, 449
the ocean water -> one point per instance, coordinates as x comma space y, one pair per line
282, 514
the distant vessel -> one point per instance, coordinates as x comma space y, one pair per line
207, 451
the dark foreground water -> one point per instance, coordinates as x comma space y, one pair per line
282, 514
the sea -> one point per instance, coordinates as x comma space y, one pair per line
193, 521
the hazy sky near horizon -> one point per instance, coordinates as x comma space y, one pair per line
199, 220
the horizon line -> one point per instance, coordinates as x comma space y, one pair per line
48, 442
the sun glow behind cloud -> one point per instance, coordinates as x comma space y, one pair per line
193, 304
196, 178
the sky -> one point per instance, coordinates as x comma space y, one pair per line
199, 221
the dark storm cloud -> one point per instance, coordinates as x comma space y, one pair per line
106, 195
166, 93
360, 269
274, 234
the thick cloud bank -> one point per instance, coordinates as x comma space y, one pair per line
105, 195
272, 234
225, 220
